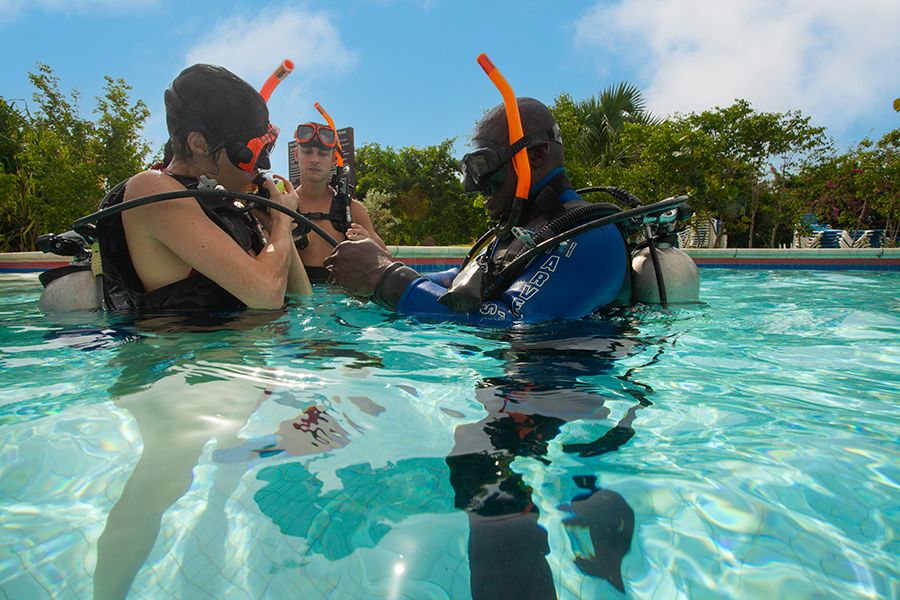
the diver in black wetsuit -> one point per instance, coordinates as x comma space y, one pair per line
342, 217
526, 409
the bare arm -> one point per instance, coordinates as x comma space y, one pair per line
167, 239
298, 280
361, 217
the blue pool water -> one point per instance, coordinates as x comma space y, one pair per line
746, 448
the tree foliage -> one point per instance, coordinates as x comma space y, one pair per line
57, 164
758, 173
856, 190
736, 163
421, 192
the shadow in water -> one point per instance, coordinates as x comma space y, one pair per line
550, 379
552, 375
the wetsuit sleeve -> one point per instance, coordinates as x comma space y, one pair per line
443, 278
570, 282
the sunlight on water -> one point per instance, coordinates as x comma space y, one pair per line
745, 448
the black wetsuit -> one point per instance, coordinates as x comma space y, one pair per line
122, 288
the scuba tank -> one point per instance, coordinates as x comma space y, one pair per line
75, 287
661, 273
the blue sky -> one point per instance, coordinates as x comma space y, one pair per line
403, 72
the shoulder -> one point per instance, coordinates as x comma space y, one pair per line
150, 182
357, 207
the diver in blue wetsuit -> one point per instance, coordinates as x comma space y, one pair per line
588, 272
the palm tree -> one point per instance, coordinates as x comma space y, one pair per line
603, 120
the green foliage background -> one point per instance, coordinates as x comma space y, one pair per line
758, 173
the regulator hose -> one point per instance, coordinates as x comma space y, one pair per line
518, 264
83, 226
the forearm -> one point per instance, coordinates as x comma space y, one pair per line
298, 280
275, 261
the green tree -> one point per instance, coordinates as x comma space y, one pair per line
16, 216
61, 164
423, 192
602, 120
855, 190
122, 149
755, 144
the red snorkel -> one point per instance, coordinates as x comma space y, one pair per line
283, 70
520, 160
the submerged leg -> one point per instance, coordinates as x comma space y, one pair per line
175, 421
507, 557
160, 478
507, 546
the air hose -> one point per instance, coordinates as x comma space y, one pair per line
504, 277
84, 225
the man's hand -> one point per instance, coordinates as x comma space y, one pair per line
357, 266
356, 232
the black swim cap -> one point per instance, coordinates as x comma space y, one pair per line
214, 101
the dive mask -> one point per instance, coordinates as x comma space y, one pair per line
316, 135
254, 153
483, 170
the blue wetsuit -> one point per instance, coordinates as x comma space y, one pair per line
572, 281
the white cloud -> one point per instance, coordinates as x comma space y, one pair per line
834, 60
254, 46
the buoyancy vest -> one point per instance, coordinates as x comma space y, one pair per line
338, 214
122, 288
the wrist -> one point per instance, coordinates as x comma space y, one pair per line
393, 282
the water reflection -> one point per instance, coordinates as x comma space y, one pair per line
178, 408
552, 376
550, 380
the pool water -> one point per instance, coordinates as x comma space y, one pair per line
744, 448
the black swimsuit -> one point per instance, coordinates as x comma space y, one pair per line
122, 288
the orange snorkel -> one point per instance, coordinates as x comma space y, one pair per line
341, 173
283, 70
340, 151
279, 75
520, 160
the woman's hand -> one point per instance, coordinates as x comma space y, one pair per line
288, 198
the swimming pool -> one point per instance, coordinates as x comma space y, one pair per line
746, 448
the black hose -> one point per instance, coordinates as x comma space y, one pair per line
572, 218
144, 200
657, 268
476, 247
623, 196
517, 265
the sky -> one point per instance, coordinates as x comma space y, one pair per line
404, 72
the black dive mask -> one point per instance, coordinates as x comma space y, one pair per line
484, 169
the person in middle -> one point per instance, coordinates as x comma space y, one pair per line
339, 215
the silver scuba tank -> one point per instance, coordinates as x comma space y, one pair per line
78, 290
681, 277
74, 287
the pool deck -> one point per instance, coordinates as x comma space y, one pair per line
437, 258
